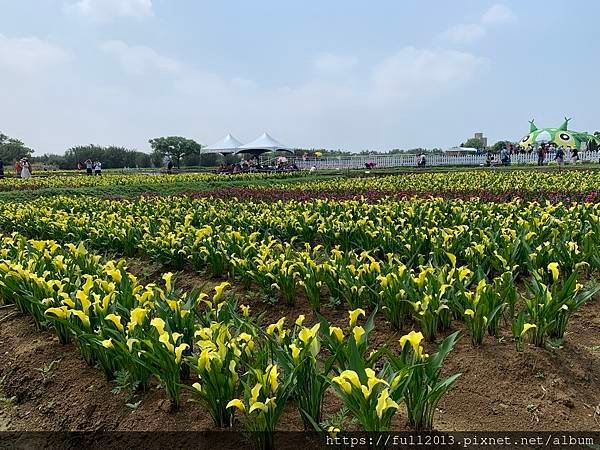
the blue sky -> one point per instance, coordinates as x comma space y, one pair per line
319, 74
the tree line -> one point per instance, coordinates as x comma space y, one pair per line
181, 151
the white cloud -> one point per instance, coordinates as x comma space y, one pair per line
139, 60
498, 14
414, 72
464, 33
29, 55
330, 64
323, 111
108, 9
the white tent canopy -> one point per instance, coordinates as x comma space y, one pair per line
263, 144
228, 144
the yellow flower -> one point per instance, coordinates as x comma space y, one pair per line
452, 259
254, 392
352, 377
82, 316
61, 312
137, 317
219, 291
553, 267
276, 326
116, 320
272, 372
295, 351
384, 402
159, 324
198, 387
166, 340
116, 275
130, 343
358, 333
179, 351
343, 383
371, 383
337, 331
107, 343
300, 320
204, 360
82, 296
333, 431
257, 405
306, 334
245, 310
236, 403
354, 315
527, 327
168, 277
414, 339
470, 313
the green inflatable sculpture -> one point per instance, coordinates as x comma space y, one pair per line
561, 137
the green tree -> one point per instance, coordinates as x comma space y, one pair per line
498, 146
175, 147
12, 149
473, 143
111, 157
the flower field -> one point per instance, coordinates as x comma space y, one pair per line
365, 298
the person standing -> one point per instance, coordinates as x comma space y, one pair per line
505, 157
1, 169
560, 156
89, 166
541, 153
25, 169
574, 155
98, 168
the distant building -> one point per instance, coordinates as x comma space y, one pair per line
482, 138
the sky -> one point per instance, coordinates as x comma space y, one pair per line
335, 74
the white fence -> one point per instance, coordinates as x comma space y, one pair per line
383, 161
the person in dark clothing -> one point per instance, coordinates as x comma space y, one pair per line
574, 155
1, 169
560, 156
541, 153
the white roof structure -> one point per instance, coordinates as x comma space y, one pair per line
263, 144
228, 144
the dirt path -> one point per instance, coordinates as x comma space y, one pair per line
47, 386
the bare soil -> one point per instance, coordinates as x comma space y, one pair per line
45, 386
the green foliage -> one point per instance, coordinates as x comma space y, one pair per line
473, 143
425, 387
110, 157
175, 147
499, 146
12, 149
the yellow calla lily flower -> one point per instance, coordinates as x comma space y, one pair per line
116, 320
159, 324
413, 338
337, 332
355, 314
358, 333
553, 268
236, 403
179, 351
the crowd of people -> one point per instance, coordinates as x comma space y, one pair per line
91, 167
544, 152
253, 165
23, 168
